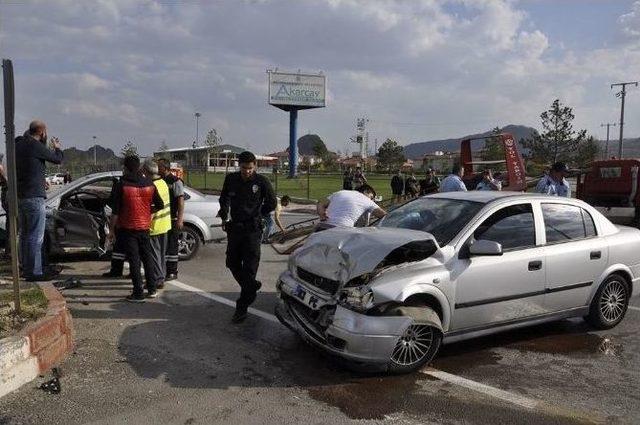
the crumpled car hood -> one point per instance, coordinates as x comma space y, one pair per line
343, 253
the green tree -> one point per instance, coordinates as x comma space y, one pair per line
390, 155
558, 140
589, 151
129, 149
493, 149
213, 142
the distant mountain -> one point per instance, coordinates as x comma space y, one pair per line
102, 155
418, 150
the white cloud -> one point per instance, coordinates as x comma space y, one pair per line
139, 70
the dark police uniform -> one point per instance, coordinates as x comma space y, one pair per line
176, 190
248, 201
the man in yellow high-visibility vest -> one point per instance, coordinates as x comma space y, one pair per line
160, 225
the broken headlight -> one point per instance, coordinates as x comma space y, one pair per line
359, 298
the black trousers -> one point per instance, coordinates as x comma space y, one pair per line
118, 254
243, 258
138, 250
172, 250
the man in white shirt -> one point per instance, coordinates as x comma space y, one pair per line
554, 183
345, 207
453, 182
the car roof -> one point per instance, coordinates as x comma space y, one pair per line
488, 196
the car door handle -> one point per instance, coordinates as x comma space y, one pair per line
595, 255
535, 265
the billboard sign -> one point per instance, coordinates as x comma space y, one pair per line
297, 90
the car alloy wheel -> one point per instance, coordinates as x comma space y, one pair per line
413, 345
188, 243
613, 301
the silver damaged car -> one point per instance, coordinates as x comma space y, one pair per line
452, 266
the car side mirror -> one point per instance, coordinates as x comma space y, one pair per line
484, 247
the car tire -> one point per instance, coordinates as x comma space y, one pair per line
610, 303
419, 343
189, 242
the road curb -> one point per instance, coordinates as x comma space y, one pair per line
38, 347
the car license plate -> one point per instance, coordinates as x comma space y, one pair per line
300, 292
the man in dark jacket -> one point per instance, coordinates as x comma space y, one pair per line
247, 197
397, 187
31, 154
135, 200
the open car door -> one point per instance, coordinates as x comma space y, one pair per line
78, 223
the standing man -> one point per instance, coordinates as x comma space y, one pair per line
247, 196
160, 225
135, 200
431, 183
358, 178
31, 154
555, 183
411, 187
397, 185
347, 180
488, 182
453, 182
176, 193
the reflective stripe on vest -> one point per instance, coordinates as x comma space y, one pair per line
161, 220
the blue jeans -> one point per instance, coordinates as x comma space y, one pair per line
268, 227
32, 220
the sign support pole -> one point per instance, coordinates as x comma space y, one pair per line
12, 222
293, 145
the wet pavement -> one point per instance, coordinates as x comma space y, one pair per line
177, 359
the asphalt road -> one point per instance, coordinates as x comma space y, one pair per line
177, 359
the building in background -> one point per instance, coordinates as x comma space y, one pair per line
222, 158
440, 161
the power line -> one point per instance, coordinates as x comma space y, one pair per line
621, 94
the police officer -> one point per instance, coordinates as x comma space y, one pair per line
247, 196
160, 225
555, 183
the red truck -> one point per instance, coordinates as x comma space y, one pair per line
511, 166
612, 183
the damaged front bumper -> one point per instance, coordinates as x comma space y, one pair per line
318, 319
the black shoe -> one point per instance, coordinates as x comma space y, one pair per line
160, 285
239, 316
152, 294
112, 274
135, 298
171, 276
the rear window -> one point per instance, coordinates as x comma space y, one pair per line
610, 172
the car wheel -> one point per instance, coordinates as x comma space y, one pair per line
610, 303
188, 243
419, 343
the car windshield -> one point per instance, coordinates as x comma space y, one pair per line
443, 218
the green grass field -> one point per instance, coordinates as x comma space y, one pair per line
304, 187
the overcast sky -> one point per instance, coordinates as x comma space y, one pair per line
419, 70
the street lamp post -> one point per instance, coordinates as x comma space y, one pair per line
95, 148
197, 115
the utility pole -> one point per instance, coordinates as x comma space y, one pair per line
197, 115
621, 94
606, 148
95, 148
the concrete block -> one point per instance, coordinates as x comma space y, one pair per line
17, 375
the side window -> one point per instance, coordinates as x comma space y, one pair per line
513, 227
589, 225
564, 223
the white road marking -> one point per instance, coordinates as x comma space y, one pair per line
516, 399
222, 300
519, 400
634, 308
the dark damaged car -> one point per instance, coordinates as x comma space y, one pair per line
452, 266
